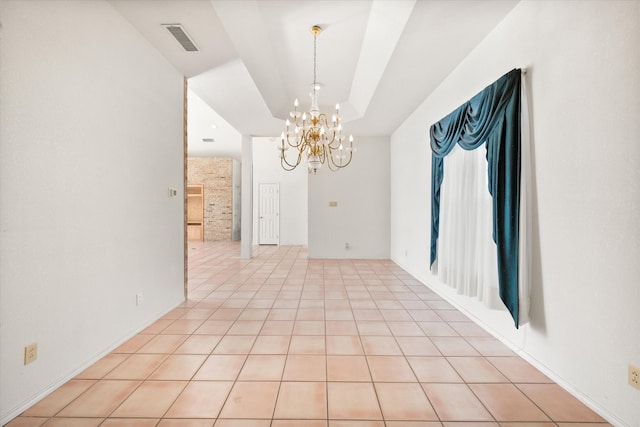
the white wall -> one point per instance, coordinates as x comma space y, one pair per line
293, 192
584, 67
200, 121
362, 215
91, 140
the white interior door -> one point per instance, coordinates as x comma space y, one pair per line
269, 214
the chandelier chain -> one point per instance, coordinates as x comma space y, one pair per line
315, 36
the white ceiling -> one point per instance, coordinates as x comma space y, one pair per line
378, 58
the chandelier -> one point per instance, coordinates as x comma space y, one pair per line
312, 135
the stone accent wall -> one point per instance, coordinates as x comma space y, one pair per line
216, 174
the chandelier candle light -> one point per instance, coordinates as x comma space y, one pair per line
313, 135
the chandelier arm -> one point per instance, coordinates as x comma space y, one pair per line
348, 161
337, 166
289, 168
333, 139
297, 143
283, 161
332, 165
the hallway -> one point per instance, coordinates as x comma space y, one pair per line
283, 341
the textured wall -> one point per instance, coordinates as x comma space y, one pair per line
216, 173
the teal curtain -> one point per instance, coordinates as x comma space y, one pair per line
491, 118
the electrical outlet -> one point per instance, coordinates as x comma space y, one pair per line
30, 353
634, 376
139, 299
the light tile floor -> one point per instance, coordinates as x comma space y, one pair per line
283, 341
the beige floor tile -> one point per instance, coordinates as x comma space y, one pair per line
341, 327
400, 315
133, 344
235, 344
197, 313
199, 344
380, 346
518, 370
368, 314
220, 367
310, 313
507, 403
185, 422
157, 326
163, 344
182, 327
344, 345
454, 346
271, 344
309, 327
303, 344
53, 403
26, 422
129, 422
245, 327
345, 423
558, 403
243, 423
456, 402
428, 424
348, 368
214, 327
424, 316
299, 423
390, 369
353, 401
200, 399
546, 424
300, 367
469, 329
277, 327
372, 327
489, 346
102, 367
282, 314
405, 329
474, 369
437, 329
404, 401
254, 314
251, 400
433, 370
226, 314
136, 367
178, 367
302, 400
101, 399
75, 422
263, 368
417, 346
150, 400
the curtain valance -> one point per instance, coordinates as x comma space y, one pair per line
492, 118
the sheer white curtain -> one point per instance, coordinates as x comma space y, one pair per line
467, 257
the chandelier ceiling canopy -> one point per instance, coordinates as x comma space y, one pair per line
312, 135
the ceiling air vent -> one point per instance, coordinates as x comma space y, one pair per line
181, 36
